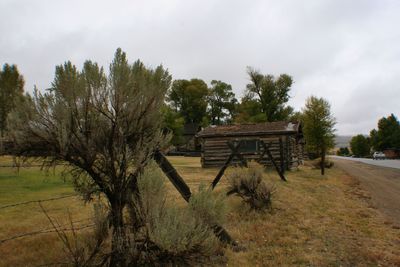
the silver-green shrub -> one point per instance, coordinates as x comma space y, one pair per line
173, 233
249, 185
208, 206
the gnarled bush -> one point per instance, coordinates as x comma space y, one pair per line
249, 185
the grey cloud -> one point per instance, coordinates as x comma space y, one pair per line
345, 51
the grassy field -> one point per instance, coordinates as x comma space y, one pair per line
314, 221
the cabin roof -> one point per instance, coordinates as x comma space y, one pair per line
278, 127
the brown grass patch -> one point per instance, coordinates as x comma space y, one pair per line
314, 221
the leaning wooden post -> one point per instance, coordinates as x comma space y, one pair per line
172, 175
288, 153
266, 150
282, 155
184, 190
235, 149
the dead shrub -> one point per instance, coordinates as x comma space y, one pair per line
83, 249
249, 185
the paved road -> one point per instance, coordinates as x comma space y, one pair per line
390, 163
382, 183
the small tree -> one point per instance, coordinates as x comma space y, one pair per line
360, 146
318, 127
11, 92
106, 128
343, 151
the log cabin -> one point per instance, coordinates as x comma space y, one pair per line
284, 139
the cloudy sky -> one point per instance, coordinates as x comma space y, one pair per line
345, 51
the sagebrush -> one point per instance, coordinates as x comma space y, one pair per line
248, 184
174, 234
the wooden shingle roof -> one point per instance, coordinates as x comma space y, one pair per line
278, 127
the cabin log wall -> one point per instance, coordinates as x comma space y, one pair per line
215, 150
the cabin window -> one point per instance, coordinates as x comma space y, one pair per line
248, 146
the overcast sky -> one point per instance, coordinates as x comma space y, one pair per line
345, 51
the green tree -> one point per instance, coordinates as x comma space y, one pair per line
318, 127
173, 122
271, 93
343, 151
11, 92
296, 116
387, 135
249, 111
189, 99
105, 127
222, 102
360, 146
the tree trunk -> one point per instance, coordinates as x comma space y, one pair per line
323, 162
118, 242
135, 207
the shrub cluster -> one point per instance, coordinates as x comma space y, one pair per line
177, 235
160, 234
249, 185
317, 164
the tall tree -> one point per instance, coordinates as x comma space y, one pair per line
222, 102
271, 93
387, 135
173, 123
189, 98
360, 145
11, 92
318, 127
106, 128
249, 111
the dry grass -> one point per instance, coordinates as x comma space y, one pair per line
314, 221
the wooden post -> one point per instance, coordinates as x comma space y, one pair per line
235, 149
184, 190
236, 153
268, 152
282, 155
288, 153
172, 175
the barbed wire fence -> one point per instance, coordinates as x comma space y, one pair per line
52, 229
36, 201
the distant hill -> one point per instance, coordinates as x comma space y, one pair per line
342, 140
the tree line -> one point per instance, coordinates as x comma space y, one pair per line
193, 101
190, 101
386, 136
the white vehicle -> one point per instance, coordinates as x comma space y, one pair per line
378, 155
